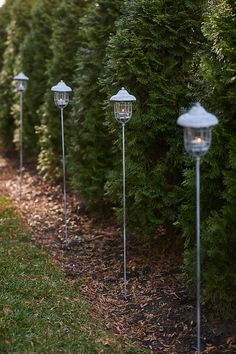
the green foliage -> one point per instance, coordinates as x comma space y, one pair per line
4, 22
34, 54
64, 43
19, 13
151, 54
216, 86
90, 156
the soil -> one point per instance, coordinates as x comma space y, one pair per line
158, 313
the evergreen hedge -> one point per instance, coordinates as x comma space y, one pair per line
216, 87
151, 54
90, 155
35, 52
4, 22
64, 43
18, 20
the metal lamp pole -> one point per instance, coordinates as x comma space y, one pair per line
21, 85
21, 142
198, 265
64, 173
124, 211
61, 99
197, 125
123, 112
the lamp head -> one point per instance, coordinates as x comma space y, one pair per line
61, 94
123, 102
21, 82
197, 123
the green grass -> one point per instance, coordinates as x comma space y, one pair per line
41, 311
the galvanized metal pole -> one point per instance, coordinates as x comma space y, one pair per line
64, 175
198, 265
124, 213
21, 143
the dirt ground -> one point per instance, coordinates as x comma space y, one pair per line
158, 313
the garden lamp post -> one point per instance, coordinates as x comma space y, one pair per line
61, 99
123, 102
21, 85
197, 124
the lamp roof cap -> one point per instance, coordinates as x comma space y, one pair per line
61, 87
123, 96
197, 117
21, 77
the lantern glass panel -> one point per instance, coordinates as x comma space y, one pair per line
21, 85
61, 99
197, 140
123, 111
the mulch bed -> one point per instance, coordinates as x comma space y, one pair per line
158, 313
